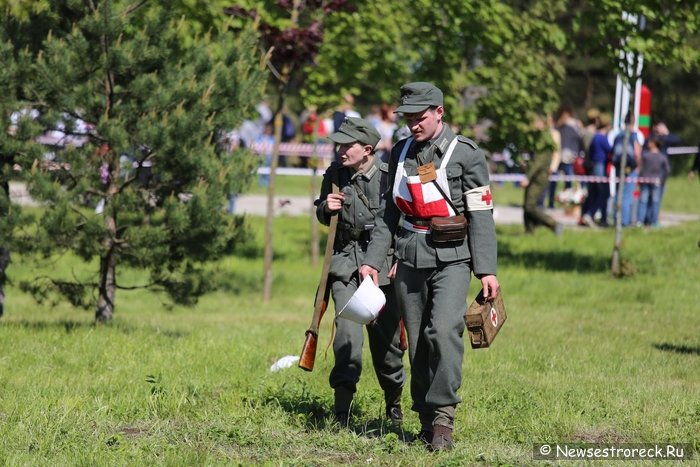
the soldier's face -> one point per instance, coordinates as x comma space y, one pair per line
425, 125
353, 154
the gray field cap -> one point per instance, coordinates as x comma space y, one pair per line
356, 129
416, 97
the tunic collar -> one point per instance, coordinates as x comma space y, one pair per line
436, 146
443, 140
367, 176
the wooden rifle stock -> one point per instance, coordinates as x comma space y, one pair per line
308, 352
403, 340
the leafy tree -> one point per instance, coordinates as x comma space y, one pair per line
649, 30
141, 180
291, 34
363, 54
488, 68
492, 70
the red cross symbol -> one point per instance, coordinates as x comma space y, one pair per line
487, 197
494, 317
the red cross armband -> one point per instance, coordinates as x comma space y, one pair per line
479, 199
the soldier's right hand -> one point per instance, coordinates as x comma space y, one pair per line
334, 201
366, 270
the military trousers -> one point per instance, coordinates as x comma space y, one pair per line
433, 301
384, 336
533, 215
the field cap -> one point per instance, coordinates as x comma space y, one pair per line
416, 97
365, 304
356, 129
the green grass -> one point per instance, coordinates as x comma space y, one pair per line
582, 357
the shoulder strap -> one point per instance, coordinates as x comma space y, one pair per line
465, 140
363, 197
361, 194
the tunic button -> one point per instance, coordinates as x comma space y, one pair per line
359, 215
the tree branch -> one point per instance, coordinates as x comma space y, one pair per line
131, 9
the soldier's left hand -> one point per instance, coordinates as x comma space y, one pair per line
490, 285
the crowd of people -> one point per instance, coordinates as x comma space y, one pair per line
596, 149
310, 126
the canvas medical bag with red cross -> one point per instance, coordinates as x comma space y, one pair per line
484, 319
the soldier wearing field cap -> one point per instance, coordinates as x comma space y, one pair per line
432, 279
361, 178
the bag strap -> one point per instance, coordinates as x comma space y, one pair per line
447, 198
363, 197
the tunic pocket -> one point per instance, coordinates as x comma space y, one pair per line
454, 181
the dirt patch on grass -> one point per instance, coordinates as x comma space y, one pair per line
132, 431
598, 435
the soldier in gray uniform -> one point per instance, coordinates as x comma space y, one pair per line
361, 178
432, 279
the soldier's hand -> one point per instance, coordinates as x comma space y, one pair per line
490, 285
334, 201
366, 270
392, 271
524, 182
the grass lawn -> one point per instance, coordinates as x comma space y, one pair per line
582, 358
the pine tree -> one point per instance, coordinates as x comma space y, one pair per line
11, 218
140, 180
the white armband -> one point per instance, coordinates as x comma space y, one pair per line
479, 199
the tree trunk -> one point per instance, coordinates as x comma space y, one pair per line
269, 216
108, 279
588, 99
270, 213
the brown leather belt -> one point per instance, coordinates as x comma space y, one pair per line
418, 221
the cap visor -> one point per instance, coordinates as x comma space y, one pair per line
411, 108
341, 138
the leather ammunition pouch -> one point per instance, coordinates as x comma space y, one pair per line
449, 229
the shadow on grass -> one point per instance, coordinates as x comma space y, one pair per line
681, 349
67, 325
237, 282
70, 326
310, 409
290, 249
569, 260
307, 406
249, 250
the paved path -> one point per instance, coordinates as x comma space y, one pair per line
300, 205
